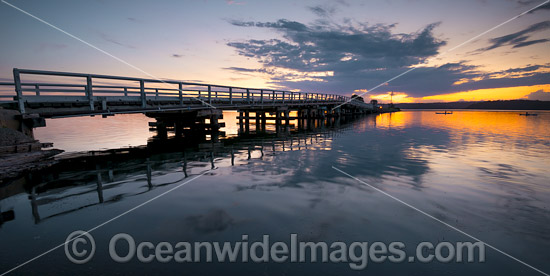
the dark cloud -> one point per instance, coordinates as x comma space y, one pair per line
362, 56
531, 42
339, 49
248, 70
519, 39
280, 24
534, 3
440, 81
177, 55
528, 68
133, 19
539, 96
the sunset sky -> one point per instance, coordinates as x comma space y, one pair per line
340, 46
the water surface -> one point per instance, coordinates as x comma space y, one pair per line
484, 172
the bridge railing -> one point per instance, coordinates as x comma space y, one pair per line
93, 88
7, 92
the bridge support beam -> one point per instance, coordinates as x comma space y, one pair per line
188, 124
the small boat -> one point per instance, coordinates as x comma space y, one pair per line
528, 114
445, 113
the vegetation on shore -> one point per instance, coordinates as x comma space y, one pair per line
499, 105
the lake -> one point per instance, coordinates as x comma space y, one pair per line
417, 177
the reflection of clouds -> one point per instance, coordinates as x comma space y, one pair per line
503, 171
213, 221
463, 172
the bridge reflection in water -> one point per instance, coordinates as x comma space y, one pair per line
83, 180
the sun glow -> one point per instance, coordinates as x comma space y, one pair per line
505, 93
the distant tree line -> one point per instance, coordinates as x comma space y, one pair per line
502, 105
357, 97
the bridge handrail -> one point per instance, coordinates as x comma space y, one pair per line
201, 91
71, 74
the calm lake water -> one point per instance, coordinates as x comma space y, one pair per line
484, 172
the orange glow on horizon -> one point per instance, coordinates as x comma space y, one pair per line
491, 94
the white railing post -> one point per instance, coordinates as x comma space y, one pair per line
180, 93
210, 94
142, 94
18, 91
230, 95
283, 96
89, 91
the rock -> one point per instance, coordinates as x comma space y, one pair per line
10, 137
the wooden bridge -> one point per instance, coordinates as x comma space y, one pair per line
74, 94
37, 95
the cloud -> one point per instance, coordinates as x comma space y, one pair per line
334, 57
534, 3
133, 19
539, 95
520, 38
232, 2
323, 47
108, 38
322, 11
282, 24
528, 43
177, 55
341, 58
343, 3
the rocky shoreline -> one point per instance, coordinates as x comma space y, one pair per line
21, 154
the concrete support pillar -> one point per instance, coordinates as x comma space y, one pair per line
241, 125
214, 123
258, 120
178, 128
263, 121
287, 117
162, 131
247, 121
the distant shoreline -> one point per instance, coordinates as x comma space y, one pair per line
486, 105
465, 109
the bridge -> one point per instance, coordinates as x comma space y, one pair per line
37, 95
